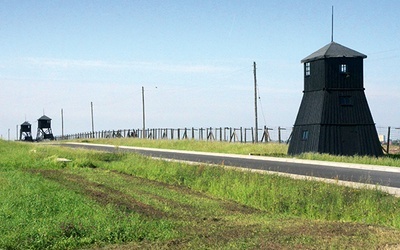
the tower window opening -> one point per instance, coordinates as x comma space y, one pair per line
304, 135
307, 69
345, 101
343, 68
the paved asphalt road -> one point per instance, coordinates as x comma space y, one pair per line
356, 173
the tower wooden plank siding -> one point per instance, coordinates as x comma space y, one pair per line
44, 129
334, 116
25, 133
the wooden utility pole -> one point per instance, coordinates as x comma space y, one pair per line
144, 117
255, 104
62, 123
91, 106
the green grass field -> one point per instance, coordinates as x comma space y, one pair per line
128, 201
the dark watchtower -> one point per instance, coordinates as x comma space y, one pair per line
334, 116
44, 129
25, 133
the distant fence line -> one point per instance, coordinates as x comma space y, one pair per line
227, 134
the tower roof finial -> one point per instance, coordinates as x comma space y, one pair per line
332, 26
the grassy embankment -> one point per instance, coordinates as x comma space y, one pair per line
130, 201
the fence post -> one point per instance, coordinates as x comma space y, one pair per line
210, 135
388, 141
185, 134
279, 134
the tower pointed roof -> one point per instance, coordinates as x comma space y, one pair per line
44, 118
333, 50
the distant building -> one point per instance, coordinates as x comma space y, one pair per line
334, 116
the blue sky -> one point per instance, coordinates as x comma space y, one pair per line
194, 59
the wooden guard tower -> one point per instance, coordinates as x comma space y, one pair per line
334, 116
44, 129
25, 132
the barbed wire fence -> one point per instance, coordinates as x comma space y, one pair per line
388, 136
227, 134
232, 134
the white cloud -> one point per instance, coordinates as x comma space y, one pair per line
124, 65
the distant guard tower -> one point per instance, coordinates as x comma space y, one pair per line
44, 129
25, 133
334, 116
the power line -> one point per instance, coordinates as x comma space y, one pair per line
262, 109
